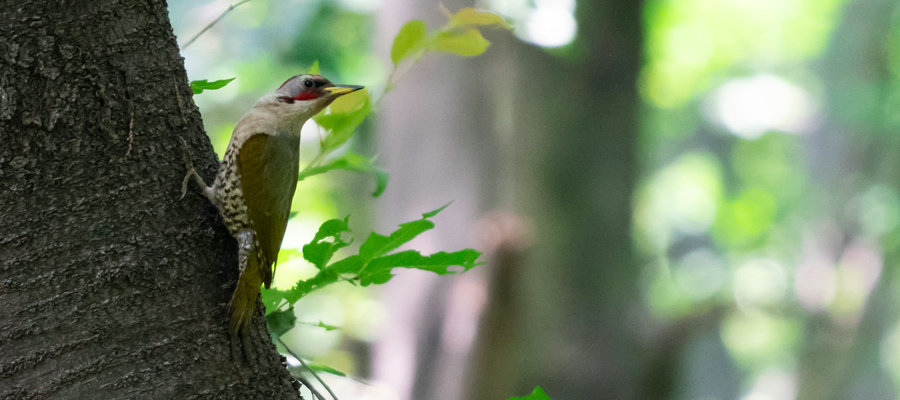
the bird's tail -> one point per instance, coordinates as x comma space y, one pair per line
243, 302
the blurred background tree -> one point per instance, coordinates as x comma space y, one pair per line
680, 199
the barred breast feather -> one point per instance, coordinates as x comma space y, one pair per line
254, 189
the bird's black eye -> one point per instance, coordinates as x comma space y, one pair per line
308, 83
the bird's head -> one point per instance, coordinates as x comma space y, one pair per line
307, 95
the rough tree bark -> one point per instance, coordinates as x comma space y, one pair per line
110, 285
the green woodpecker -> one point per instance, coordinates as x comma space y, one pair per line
256, 181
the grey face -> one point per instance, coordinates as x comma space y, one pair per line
303, 88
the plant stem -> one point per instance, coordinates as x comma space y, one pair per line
305, 365
228, 10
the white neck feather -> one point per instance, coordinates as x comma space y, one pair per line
274, 117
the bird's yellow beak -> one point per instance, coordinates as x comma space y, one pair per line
340, 90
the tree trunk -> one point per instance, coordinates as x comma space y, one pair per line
550, 139
111, 286
571, 131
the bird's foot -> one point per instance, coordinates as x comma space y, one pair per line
191, 172
184, 183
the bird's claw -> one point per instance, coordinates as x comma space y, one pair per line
184, 183
188, 164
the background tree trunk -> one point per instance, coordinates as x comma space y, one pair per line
543, 137
572, 125
110, 285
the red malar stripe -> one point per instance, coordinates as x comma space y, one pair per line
307, 96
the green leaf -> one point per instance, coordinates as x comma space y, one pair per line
320, 250
436, 212
328, 328
350, 102
333, 228
314, 69
325, 368
272, 298
536, 394
349, 162
381, 181
379, 270
472, 17
356, 163
350, 265
372, 265
376, 245
321, 324
280, 322
340, 126
408, 41
466, 42
201, 85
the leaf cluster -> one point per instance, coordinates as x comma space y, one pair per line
374, 263
459, 36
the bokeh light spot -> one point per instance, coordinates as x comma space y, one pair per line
550, 26
748, 107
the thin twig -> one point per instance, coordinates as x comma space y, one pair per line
312, 164
309, 386
130, 133
305, 365
228, 10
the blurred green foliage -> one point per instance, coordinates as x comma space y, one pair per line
536, 394
758, 202
459, 36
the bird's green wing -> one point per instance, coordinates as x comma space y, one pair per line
268, 166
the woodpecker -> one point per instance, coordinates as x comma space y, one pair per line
257, 178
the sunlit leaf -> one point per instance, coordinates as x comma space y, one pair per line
377, 245
325, 368
352, 162
466, 42
349, 161
350, 102
378, 271
373, 265
199, 86
408, 41
272, 298
471, 16
326, 242
322, 325
327, 327
340, 127
314, 69
536, 394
